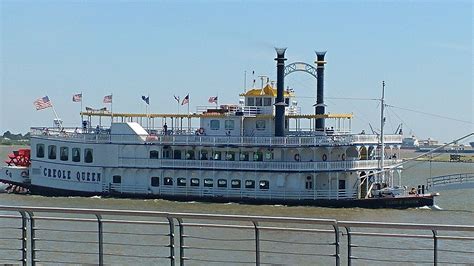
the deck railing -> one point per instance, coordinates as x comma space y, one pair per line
43, 235
254, 165
290, 141
463, 180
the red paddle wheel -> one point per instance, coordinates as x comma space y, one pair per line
20, 157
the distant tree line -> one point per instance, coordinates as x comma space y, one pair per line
9, 138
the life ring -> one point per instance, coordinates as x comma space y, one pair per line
325, 157
343, 157
297, 157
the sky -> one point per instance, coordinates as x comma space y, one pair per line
421, 49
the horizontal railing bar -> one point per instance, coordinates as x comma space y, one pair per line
296, 253
135, 256
10, 249
456, 263
456, 238
230, 226
65, 262
297, 229
9, 227
63, 251
64, 241
134, 245
297, 243
138, 234
134, 222
10, 216
66, 219
391, 248
457, 251
219, 239
9, 260
260, 227
66, 230
221, 261
390, 235
220, 249
438, 227
11, 238
387, 260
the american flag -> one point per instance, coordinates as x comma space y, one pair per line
213, 99
42, 103
185, 100
77, 97
108, 98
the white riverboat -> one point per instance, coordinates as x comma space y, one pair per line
255, 151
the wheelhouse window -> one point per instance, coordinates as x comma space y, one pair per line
190, 155
250, 101
116, 179
249, 183
52, 152
195, 182
154, 154
260, 125
258, 101
258, 156
267, 101
215, 124
221, 183
269, 155
40, 150
76, 155
168, 181
177, 154
229, 125
181, 182
263, 184
64, 153
208, 182
166, 152
217, 155
204, 155
235, 183
155, 181
88, 156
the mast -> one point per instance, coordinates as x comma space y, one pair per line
382, 141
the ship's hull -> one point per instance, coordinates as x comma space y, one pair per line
371, 203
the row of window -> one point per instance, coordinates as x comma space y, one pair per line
259, 101
230, 124
64, 153
216, 155
196, 182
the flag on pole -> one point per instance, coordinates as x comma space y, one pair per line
42, 103
146, 99
213, 99
108, 98
176, 98
185, 100
77, 97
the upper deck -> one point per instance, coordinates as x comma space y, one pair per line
293, 139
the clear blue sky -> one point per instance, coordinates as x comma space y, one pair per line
422, 49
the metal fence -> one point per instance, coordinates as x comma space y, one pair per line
31, 235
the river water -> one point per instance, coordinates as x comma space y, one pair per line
457, 205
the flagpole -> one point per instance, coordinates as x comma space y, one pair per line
60, 124
82, 116
111, 109
217, 100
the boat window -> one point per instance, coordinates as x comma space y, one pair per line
76, 154
229, 124
195, 182
116, 179
287, 101
177, 154
166, 152
267, 101
64, 153
155, 181
235, 183
88, 157
250, 101
168, 181
230, 156
215, 124
269, 155
258, 156
208, 182
263, 184
258, 101
342, 184
40, 150
181, 182
154, 154
249, 183
203, 155
260, 124
309, 182
52, 152
244, 156
190, 155
217, 155
221, 183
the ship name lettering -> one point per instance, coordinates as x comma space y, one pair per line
86, 177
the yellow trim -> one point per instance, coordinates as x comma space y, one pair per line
266, 91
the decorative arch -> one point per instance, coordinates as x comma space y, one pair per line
300, 66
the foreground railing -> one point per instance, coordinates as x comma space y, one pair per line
463, 180
41, 235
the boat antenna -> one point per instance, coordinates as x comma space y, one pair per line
382, 141
245, 81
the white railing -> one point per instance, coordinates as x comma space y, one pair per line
320, 140
464, 180
254, 165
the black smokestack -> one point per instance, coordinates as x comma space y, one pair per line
280, 101
320, 107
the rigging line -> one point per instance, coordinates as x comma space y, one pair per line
342, 98
435, 115
403, 121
